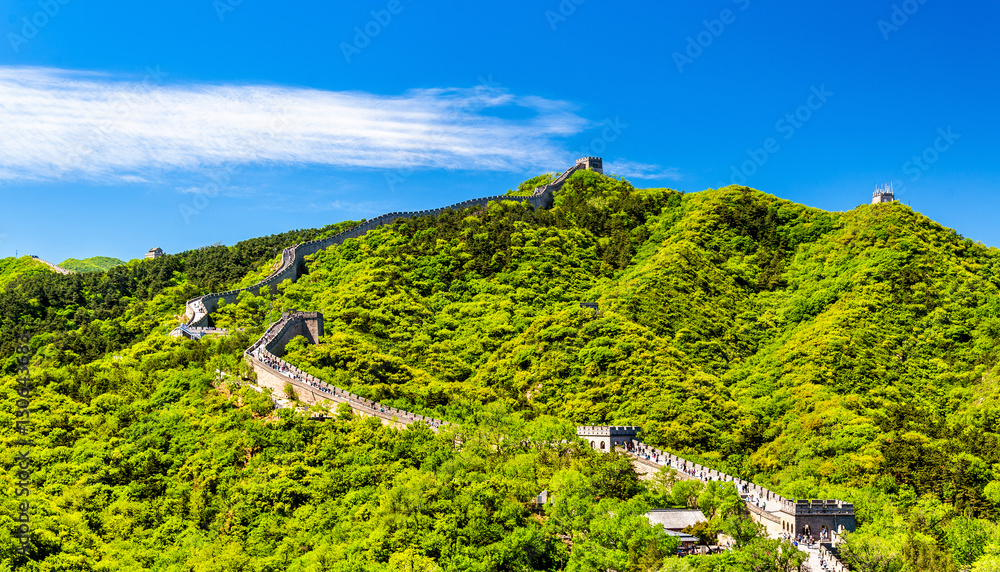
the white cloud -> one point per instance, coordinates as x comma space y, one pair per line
65, 125
635, 170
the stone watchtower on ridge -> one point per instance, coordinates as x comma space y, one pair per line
883, 194
595, 164
604, 438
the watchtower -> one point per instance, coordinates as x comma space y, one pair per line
812, 516
883, 194
604, 438
595, 164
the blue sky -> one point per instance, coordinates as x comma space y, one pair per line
182, 124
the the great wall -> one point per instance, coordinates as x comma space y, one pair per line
776, 513
278, 375
293, 258
779, 516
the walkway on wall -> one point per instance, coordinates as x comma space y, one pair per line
199, 309
260, 356
761, 502
195, 333
55, 268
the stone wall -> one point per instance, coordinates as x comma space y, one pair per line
775, 512
293, 258
294, 324
277, 374
833, 564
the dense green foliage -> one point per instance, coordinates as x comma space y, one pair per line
76, 318
147, 461
11, 268
848, 355
528, 187
92, 264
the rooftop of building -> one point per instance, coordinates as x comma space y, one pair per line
675, 518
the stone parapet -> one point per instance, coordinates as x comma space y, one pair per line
293, 258
275, 373
778, 514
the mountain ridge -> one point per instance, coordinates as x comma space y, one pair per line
845, 355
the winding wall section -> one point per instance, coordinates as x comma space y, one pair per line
273, 372
293, 258
778, 515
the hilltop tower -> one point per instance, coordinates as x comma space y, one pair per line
595, 164
883, 194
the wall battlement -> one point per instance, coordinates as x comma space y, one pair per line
807, 507
293, 258
595, 164
603, 430
778, 514
277, 374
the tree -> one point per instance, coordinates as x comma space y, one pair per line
923, 555
620, 537
771, 555
867, 553
743, 530
968, 539
685, 493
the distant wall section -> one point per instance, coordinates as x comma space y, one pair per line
777, 514
293, 259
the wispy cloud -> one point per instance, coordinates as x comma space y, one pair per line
635, 170
66, 125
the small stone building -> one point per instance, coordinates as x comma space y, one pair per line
155, 253
595, 164
603, 438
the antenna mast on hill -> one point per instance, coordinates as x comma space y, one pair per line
883, 194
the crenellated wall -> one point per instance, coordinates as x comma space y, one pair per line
777, 514
294, 324
277, 374
293, 258
605, 438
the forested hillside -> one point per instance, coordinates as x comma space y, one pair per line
92, 264
848, 355
11, 268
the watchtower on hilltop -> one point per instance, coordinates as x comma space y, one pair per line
595, 164
883, 194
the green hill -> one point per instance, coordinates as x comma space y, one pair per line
12, 268
92, 264
848, 355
